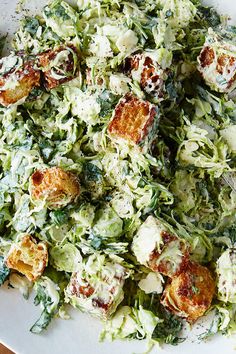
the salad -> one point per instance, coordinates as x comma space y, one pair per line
117, 166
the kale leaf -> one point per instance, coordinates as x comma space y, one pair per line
59, 217
58, 11
107, 102
168, 330
31, 25
42, 323
2, 43
4, 271
92, 173
49, 298
210, 15
229, 232
61, 12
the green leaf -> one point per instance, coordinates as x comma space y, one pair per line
31, 25
210, 16
92, 173
107, 101
2, 43
61, 12
4, 271
168, 330
59, 278
48, 296
59, 217
58, 11
96, 241
42, 323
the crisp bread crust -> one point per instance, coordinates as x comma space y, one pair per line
152, 76
190, 294
56, 186
221, 64
28, 257
27, 77
68, 66
132, 119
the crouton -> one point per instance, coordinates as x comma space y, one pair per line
18, 76
134, 120
189, 294
217, 64
58, 65
156, 248
28, 257
98, 287
148, 73
56, 186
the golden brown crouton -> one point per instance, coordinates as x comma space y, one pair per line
59, 65
133, 119
189, 295
148, 73
206, 56
56, 186
28, 257
217, 64
18, 82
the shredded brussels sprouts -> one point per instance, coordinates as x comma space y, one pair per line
174, 174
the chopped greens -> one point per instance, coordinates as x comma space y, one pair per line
4, 271
31, 25
168, 330
169, 158
2, 43
47, 296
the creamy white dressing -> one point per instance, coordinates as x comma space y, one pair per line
183, 11
152, 283
106, 279
119, 84
123, 205
21, 283
85, 106
127, 41
7, 63
229, 135
100, 47
226, 270
219, 81
137, 74
11, 83
172, 256
148, 239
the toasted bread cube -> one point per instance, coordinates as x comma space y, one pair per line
98, 287
58, 65
28, 257
189, 295
217, 64
56, 186
134, 120
148, 73
159, 250
18, 76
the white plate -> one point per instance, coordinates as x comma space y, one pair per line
79, 335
